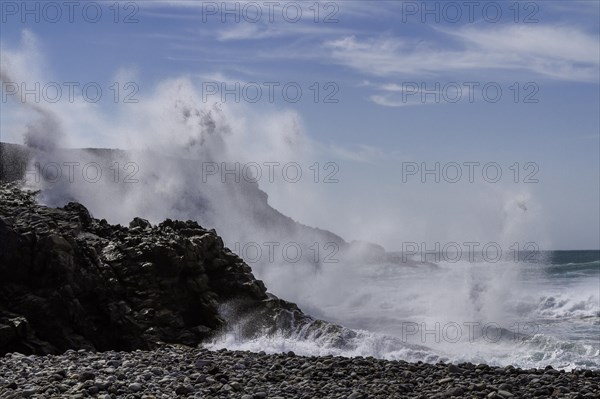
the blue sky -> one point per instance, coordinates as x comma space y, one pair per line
375, 55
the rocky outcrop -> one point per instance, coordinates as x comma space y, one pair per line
69, 281
239, 209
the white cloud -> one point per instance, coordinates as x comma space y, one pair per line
420, 93
557, 52
258, 31
388, 101
360, 153
563, 43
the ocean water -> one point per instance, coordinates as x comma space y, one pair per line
531, 311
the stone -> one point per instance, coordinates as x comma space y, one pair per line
456, 391
184, 390
135, 387
86, 375
201, 363
453, 369
141, 223
505, 394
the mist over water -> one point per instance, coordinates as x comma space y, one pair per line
504, 313
525, 314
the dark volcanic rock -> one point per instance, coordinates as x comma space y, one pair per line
69, 281
216, 203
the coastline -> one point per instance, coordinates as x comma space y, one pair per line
103, 252
179, 371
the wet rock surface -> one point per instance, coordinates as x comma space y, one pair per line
69, 281
170, 372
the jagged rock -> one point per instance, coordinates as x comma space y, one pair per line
141, 223
81, 211
69, 281
239, 208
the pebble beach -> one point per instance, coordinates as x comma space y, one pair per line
177, 371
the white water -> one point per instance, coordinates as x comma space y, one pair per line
499, 314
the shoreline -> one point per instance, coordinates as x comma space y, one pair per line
178, 371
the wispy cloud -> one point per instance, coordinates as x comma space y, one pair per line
419, 93
260, 31
387, 100
560, 52
556, 52
360, 153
